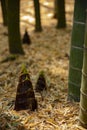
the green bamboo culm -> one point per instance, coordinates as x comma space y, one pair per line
83, 101
38, 27
13, 12
60, 11
55, 9
76, 51
4, 11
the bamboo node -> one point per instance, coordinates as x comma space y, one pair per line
75, 68
83, 93
77, 22
76, 85
83, 109
77, 47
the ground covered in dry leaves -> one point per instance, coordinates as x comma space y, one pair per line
49, 52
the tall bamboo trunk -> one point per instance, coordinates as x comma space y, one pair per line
61, 22
55, 9
13, 10
4, 11
38, 27
83, 101
76, 52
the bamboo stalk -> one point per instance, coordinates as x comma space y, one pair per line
83, 101
14, 37
76, 51
4, 11
61, 18
38, 26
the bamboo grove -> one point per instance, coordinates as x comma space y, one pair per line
77, 78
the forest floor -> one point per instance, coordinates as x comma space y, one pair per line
49, 52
